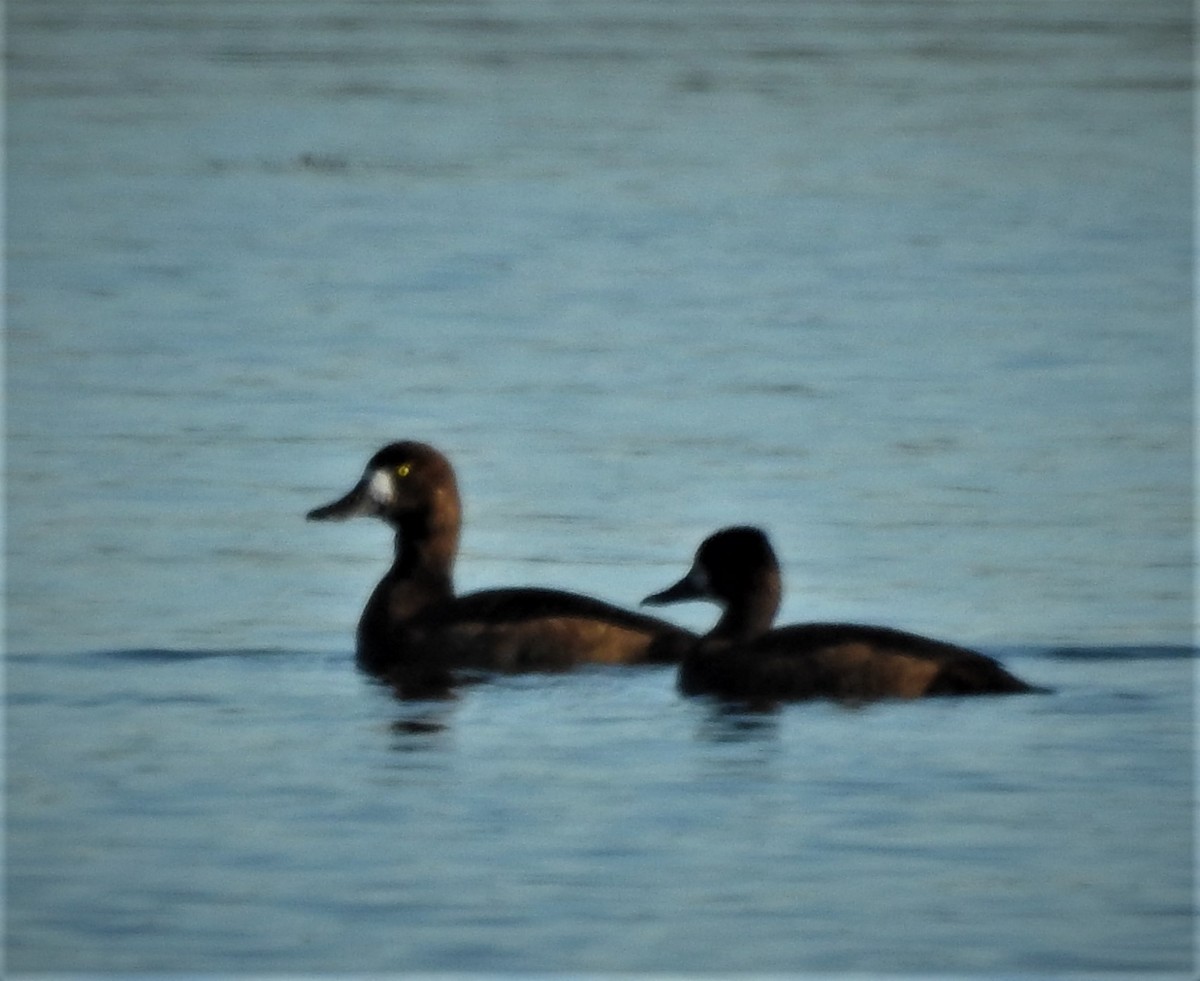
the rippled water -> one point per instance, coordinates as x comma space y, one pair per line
907, 283
254, 811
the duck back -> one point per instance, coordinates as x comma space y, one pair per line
527, 629
846, 662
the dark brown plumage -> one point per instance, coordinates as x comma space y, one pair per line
743, 659
416, 633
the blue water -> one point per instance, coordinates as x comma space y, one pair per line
906, 283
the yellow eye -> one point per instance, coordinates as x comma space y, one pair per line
404, 470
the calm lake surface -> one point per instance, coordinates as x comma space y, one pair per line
906, 283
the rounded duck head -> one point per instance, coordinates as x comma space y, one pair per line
736, 568
403, 482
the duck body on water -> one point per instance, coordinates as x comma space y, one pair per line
743, 659
417, 634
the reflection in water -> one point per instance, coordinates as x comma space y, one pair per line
419, 725
739, 749
725, 723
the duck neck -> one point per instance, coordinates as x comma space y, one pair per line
752, 613
423, 570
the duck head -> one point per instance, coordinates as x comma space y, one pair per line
737, 569
404, 483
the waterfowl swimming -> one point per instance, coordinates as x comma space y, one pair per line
744, 660
416, 632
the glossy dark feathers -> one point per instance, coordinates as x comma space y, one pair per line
743, 659
417, 633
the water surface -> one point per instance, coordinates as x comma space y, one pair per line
906, 283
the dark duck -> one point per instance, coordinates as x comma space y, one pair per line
743, 660
416, 633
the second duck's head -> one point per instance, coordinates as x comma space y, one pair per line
736, 568
404, 483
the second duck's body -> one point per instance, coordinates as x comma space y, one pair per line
416, 632
743, 659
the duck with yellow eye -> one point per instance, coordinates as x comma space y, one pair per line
417, 634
